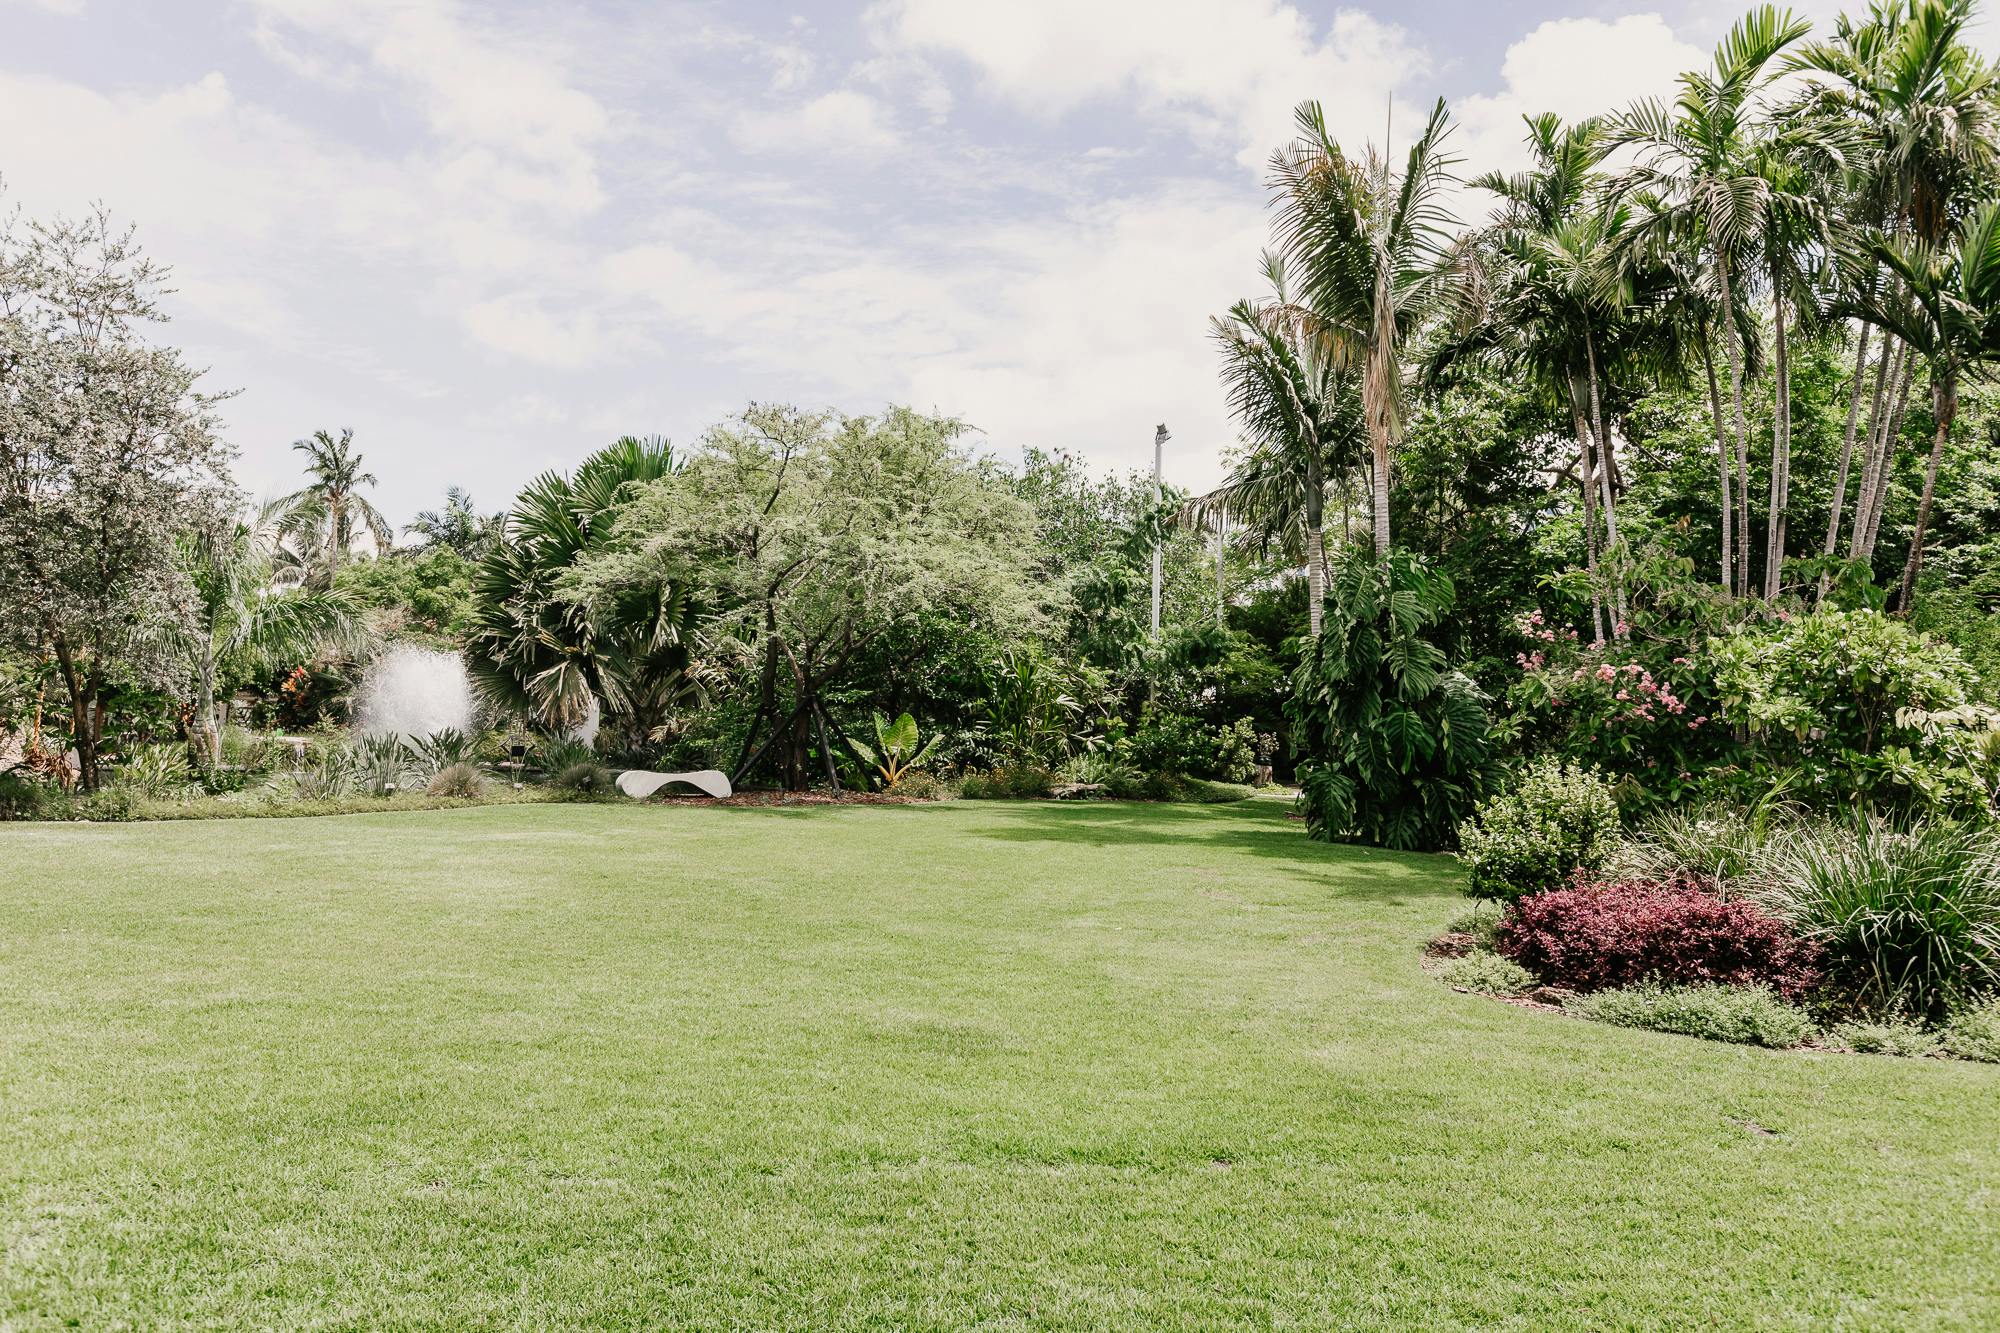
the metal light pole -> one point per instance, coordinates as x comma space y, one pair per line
1160, 438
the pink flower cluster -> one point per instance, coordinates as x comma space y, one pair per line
1646, 699
1535, 627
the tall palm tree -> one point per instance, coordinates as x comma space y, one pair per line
548, 657
242, 619
1950, 316
328, 517
1697, 181
1368, 246
459, 526
1288, 386
1923, 103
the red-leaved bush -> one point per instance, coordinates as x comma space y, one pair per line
1596, 935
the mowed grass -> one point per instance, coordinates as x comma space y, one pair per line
976, 1065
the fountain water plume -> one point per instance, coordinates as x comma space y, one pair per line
414, 692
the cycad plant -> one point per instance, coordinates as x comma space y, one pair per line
1392, 743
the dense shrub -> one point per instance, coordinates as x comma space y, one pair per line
156, 772
1748, 1015
1486, 973
587, 779
1885, 1038
107, 805
1014, 782
1099, 769
1832, 700
1974, 1034
921, 786
1558, 820
1908, 922
1595, 936
456, 780
21, 797
1169, 742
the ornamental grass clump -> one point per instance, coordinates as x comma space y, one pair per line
1560, 819
1908, 922
1599, 935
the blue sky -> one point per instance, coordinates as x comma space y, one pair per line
491, 236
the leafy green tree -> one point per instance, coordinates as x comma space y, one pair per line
458, 527
804, 538
105, 447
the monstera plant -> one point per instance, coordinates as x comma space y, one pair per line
1392, 742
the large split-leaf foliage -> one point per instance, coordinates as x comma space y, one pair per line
1393, 742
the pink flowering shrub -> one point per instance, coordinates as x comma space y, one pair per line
1600, 934
1641, 710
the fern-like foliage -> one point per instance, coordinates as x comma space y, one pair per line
1392, 742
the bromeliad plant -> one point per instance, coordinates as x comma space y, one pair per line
1392, 743
896, 750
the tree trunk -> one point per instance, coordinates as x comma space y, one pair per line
1723, 465
83, 714
1315, 545
1838, 501
1944, 400
1777, 518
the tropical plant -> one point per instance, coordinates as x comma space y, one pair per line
896, 751
1292, 388
242, 620
1699, 184
447, 747
460, 781
540, 654
1392, 743
328, 518
1368, 248
458, 527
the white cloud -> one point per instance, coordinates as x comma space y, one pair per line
843, 121
64, 7
1575, 68
1232, 69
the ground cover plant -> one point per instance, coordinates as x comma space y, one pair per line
1095, 1065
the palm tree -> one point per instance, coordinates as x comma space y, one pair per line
329, 516
1368, 245
1949, 314
1923, 104
1697, 181
242, 619
1300, 414
548, 657
458, 526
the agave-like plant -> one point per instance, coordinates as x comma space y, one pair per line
896, 750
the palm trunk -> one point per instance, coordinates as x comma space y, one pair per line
1944, 400
1608, 494
1781, 445
1886, 471
1742, 431
1722, 463
1887, 370
1315, 545
1838, 502
1589, 486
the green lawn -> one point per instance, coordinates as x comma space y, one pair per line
971, 1065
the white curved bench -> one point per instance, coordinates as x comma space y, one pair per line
639, 784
